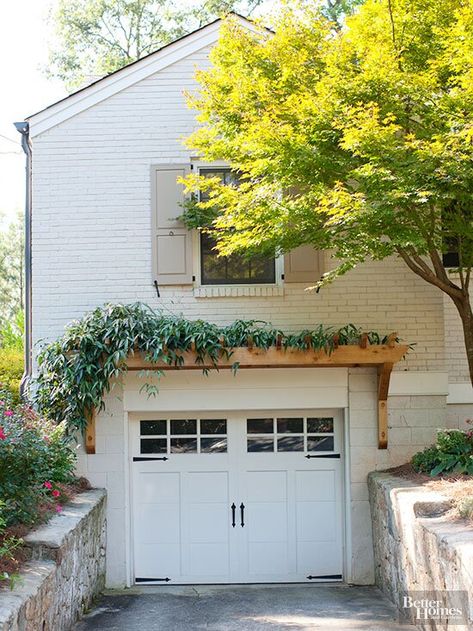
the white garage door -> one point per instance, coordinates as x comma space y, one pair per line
237, 498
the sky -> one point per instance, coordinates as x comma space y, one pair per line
24, 89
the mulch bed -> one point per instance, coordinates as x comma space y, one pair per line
456, 487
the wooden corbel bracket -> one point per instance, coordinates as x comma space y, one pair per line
384, 375
90, 433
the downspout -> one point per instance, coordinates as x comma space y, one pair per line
24, 129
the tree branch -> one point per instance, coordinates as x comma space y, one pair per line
451, 289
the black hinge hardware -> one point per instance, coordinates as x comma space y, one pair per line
142, 459
233, 507
322, 456
325, 577
156, 580
242, 514
155, 283
282, 276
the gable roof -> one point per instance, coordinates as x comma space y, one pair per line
126, 76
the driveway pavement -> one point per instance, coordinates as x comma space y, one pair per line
244, 608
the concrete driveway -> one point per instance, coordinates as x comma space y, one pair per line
244, 608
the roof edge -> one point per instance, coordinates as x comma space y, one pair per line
122, 78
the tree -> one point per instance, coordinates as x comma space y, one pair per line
11, 271
96, 37
358, 140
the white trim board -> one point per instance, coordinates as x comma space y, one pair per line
412, 383
248, 389
459, 393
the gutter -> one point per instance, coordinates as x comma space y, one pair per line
24, 129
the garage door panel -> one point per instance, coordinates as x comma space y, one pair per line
266, 559
157, 560
209, 559
205, 486
208, 523
267, 521
319, 558
158, 523
315, 485
158, 487
266, 486
242, 515
316, 521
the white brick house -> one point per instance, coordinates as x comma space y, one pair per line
104, 166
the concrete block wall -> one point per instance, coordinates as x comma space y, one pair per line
412, 424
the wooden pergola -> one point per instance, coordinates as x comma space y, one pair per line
379, 356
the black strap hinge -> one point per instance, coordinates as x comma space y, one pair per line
322, 456
142, 459
326, 577
154, 580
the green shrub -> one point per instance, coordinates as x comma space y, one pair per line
35, 457
11, 371
12, 331
452, 453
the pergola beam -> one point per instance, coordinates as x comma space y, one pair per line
381, 356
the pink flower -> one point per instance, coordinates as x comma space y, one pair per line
48, 485
2, 434
58, 508
2, 402
56, 493
8, 413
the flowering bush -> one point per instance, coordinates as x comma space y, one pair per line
36, 461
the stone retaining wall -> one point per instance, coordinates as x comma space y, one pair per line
416, 548
65, 571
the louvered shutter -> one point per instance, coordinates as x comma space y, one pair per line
172, 242
303, 265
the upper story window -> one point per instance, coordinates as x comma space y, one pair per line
235, 269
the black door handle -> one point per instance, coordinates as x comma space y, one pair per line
242, 514
233, 507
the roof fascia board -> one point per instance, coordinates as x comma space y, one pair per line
108, 86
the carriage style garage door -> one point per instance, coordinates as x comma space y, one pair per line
237, 498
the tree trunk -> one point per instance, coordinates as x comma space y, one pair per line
466, 315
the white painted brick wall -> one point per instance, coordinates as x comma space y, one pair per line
455, 353
92, 239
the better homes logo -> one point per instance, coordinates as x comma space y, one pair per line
447, 607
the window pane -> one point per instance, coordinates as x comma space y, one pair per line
260, 444
187, 426
320, 425
290, 426
259, 425
213, 426
149, 428
213, 445
291, 443
320, 443
183, 445
153, 446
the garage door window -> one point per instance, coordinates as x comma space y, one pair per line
183, 436
290, 434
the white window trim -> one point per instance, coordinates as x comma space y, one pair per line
233, 290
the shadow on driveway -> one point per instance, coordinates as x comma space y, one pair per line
243, 608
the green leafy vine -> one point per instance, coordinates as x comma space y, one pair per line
77, 370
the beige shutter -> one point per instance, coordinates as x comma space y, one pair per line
303, 265
172, 242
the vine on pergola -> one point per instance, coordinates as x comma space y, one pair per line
78, 369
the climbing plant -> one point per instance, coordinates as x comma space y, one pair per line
77, 370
